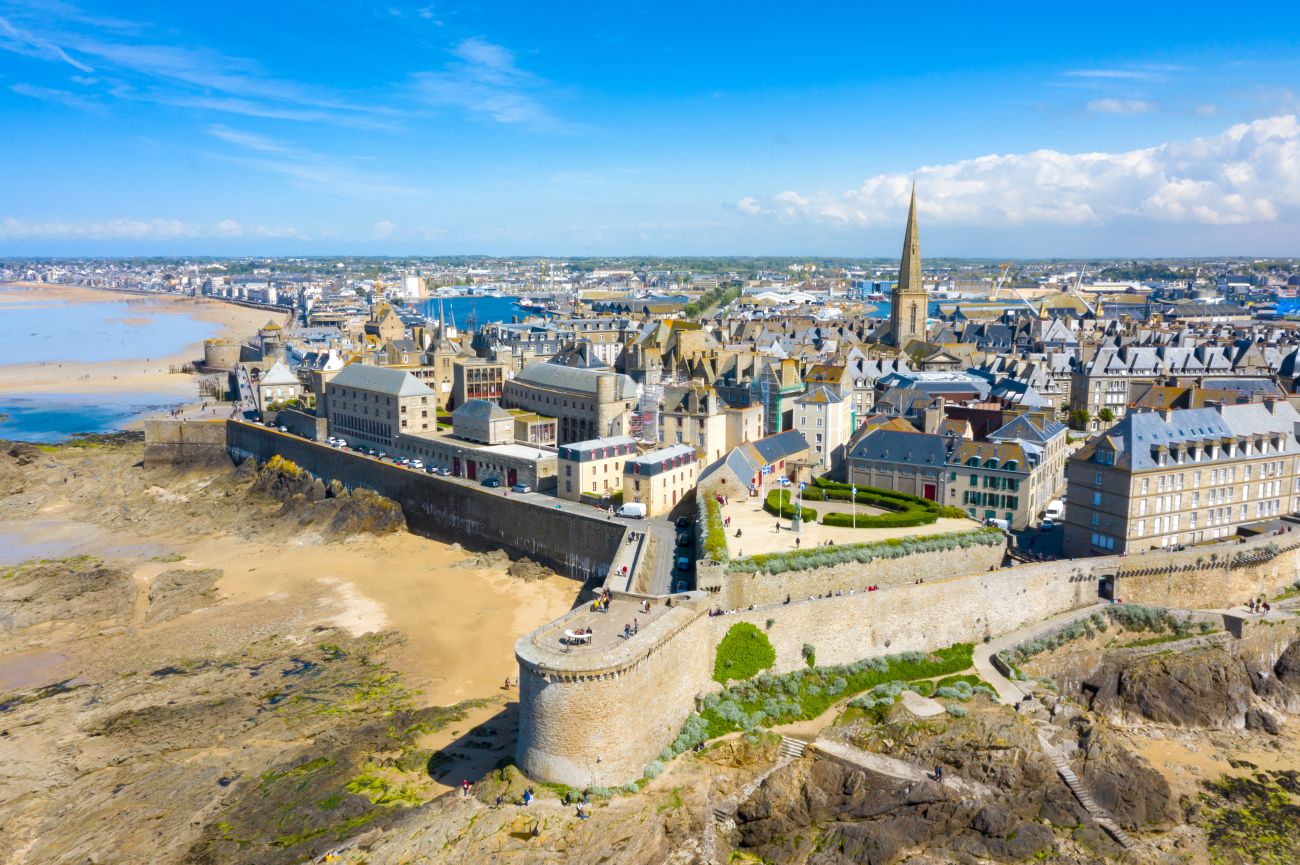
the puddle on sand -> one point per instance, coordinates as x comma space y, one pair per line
31, 669
53, 538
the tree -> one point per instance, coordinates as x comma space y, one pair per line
1106, 415
1079, 419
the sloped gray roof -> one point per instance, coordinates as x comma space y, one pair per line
896, 446
391, 382
480, 409
574, 379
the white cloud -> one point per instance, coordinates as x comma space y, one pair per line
49, 94
383, 229
1121, 106
115, 229
1207, 110
306, 169
484, 79
229, 228
1250, 173
20, 41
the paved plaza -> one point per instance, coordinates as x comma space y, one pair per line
759, 535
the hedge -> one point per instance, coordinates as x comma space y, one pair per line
779, 503
891, 548
905, 510
743, 652
715, 535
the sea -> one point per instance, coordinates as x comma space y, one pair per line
53, 332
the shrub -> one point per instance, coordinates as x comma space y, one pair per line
892, 548
743, 652
654, 770
631, 787
807, 693
809, 654
957, 711
715, 536
599, 792
782, 504
770, 623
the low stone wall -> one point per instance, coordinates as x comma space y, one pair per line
738, 591
579, 546
199, 443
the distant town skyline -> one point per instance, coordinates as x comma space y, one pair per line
524, 129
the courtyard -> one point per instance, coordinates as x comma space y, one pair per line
758, 532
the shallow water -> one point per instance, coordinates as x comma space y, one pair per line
51, 331
53, 417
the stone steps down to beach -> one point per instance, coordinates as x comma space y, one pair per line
1099, 815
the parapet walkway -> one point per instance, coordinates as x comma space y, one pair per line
1008, 691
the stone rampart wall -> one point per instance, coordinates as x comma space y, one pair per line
574, 544
604, 728
634, 710
184, 443
738, 591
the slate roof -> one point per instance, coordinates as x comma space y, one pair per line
574, 379
391, 382
278, 374
1139, 435
819, 396
480, 409
908, 448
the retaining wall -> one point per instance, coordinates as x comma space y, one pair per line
579, 546
627, 713
738, 591
184, 443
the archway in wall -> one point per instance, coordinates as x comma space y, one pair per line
1106, 588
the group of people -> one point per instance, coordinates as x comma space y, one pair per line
582, 635
601, 603
1258, 605
629, 631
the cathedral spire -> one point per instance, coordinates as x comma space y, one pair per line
909, 269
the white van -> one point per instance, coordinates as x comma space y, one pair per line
635, 510
1054, 511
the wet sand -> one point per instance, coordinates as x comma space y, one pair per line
144, 374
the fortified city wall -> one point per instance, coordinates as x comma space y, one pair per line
574, 544
621, 705
739, 590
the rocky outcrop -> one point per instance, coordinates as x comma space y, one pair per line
1122, 783
83, 590
1207, 688
332, 509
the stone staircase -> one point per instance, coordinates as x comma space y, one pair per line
1099, 814
792, 748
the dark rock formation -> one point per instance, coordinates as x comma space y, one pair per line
1207, 688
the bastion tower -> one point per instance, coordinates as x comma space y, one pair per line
909, 301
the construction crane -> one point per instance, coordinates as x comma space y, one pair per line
1077, 292
1004, 279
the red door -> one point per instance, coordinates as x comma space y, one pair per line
472, 468
930, 493
455, 466
512, 477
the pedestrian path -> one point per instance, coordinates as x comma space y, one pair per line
892, 767
1008, 691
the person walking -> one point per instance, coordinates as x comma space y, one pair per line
464, 788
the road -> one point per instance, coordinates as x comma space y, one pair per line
662, 529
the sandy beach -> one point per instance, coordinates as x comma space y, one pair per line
143, 374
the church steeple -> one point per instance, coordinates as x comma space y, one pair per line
909, 268
910, 302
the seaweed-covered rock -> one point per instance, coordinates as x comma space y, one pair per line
1207, 688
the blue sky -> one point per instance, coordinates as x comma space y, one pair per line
655, 128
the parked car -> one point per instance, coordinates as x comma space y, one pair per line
521, 488
283, 429
491, 483
683, 523
1047, 525
683, 539
684, 563
1054, 511
444, 471
635, 510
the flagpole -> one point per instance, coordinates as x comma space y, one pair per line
853, 497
